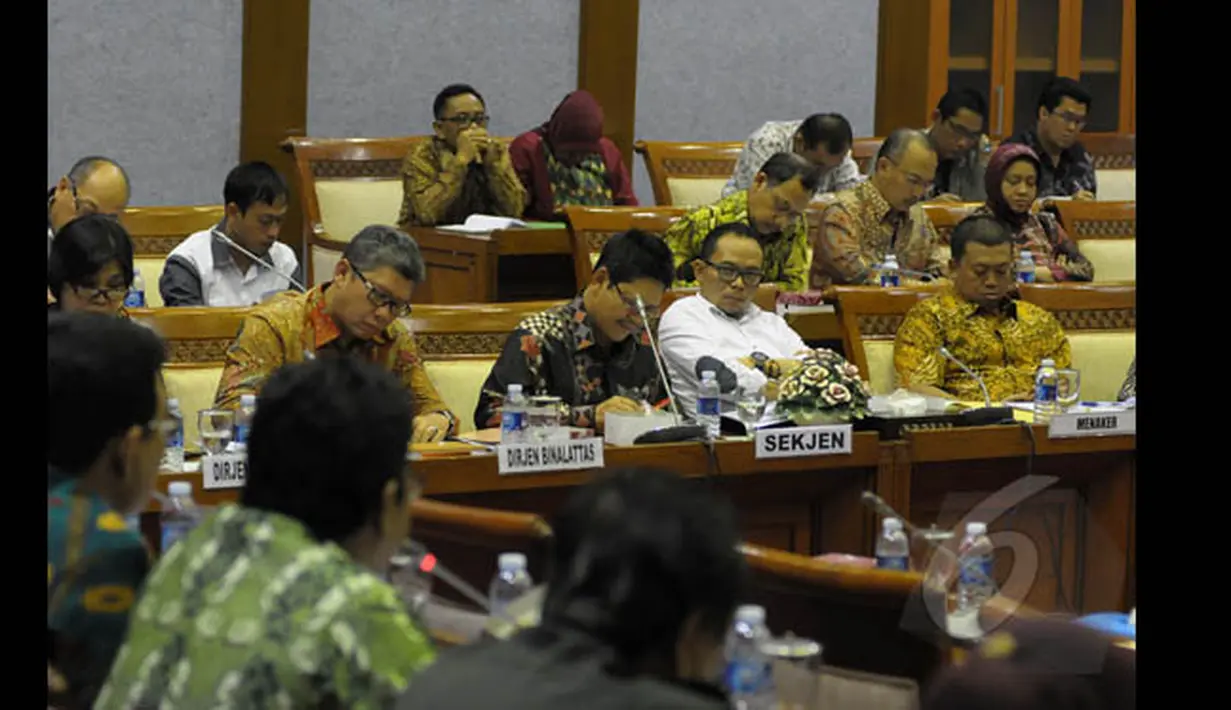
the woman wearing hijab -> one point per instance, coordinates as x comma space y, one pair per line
567, 161
1012, 184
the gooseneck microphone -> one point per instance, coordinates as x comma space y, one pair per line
681, 431
987, 398
217, 233
986, 414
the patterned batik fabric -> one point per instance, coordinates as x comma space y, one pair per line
555, 352
1129, 389
583, 184
250, 611
1071, 174
95, 566
438, 189
779, 137
786, 253
1005, 348
1049, 246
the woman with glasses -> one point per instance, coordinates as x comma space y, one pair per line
91, 266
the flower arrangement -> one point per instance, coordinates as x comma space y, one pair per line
824, 389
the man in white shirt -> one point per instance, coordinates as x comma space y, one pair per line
206, 270
823, 139
720, 328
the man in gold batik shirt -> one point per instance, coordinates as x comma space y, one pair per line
460, 170
773, 206
977, 319
882, 216
354, 314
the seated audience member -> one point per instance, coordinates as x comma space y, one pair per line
646, 577
104, 444
962, 149
823, 139
355, 314
882, 216
204, 270
976, 318
567, 161
593, 352
94, 185
90, 266
720, 328
1128, 391
1066, 169
773, 205
460, 170
281, 600
1012, 183
1038, 664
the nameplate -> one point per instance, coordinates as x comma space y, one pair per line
223, 471
821, 440
1113, 423
565, 455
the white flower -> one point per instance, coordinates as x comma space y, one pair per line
790, 389
850, 370
837, 394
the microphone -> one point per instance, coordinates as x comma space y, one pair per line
727, 381
235, 245
987, 414
681, 431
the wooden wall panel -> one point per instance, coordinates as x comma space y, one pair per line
607, 65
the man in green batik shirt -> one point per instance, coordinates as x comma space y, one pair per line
773, 206
280, 601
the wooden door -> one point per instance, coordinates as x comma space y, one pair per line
1106, 30
1039, 43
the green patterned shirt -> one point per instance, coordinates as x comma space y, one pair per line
786, 254
250, 611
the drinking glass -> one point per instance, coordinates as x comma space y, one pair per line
797, 664
750, 406
407, 576
1068, 388
215, 427
543, 418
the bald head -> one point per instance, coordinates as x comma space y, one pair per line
94, 185
905, 168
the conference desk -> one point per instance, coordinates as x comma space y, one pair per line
1082, 527
505, 265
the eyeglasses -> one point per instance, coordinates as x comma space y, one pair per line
380, 299
729, 273
467, 119
100, 295
962, 131
631, 304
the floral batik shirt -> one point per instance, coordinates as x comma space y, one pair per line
556, 353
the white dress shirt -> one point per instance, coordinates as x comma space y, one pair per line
201, 271
692, 328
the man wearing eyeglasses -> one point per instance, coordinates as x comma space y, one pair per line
355, 314
460, 170
720, 328
94, 185
1067, 170
883, 216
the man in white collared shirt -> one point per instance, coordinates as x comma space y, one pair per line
205, 270
721, 327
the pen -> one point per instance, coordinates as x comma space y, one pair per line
662, 404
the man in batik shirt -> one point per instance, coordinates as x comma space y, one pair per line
773, 206
1002, 340
823, 139
882, 216
593, 352
281, 601
354, 314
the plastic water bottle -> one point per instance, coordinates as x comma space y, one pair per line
1025, 267
892, 549
709, 411
890, 271
513, 416
511, 581
173, 454
975, 557
243, 418
136, 293
749, 675
1046, 383
179, 514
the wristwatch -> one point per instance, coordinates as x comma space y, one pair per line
764, 364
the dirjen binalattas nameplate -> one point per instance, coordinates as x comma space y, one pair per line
823, 440
223, 471
1097, 423
564, 455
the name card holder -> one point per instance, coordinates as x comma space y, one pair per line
539, 457
1086, 424
223, 471
823, 440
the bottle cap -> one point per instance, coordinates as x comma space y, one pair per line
750, 614
976, 528
892, 524
708, 374
173, 402
180, 488
509, 561
247, 400
1048, 362
514, 388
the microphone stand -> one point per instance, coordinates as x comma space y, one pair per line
235, 245
680, 431
987, 414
